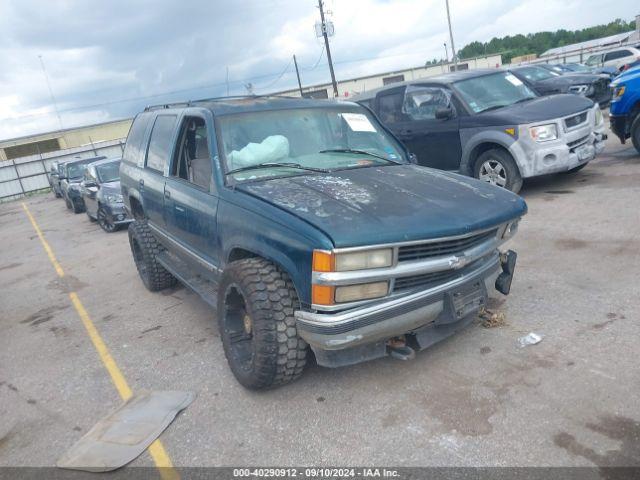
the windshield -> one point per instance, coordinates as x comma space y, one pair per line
594, 60
493, 91
108, 172
576, 67
535, 74
76, 170
305, 139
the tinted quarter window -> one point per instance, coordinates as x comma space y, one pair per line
161, 142
421, 103
390, 107
617, 54
133, 150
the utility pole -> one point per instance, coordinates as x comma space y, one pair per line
295, 62
53, 98
326, 45
453, 48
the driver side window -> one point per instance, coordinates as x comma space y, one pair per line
193, 160
421, 103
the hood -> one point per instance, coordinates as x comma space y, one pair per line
536, 110
367, 206
585, 78
111, 187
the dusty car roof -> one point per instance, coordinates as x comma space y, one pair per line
445, 78
245, 104
103, 160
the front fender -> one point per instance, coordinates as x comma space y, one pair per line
261, 234
473, 138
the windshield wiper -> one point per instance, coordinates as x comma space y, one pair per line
359, 152
277, 164
495, 107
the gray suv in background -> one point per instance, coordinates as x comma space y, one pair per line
490, 125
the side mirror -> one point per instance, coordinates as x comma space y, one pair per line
443, 113
413, 159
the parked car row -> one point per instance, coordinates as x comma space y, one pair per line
91, 185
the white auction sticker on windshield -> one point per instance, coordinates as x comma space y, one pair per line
358, 122
513, 79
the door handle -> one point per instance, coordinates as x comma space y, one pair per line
180, 209
167, 194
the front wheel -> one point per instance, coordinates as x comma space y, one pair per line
497, 167
105, 222
256, 305
635, 133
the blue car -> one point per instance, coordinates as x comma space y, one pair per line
625, 107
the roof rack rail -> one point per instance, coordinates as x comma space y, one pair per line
190, 103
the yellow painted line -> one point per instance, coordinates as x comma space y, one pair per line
156, 449
46, 246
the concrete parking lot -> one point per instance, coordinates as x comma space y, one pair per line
475, 399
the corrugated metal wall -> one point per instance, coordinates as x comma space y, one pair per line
29, 174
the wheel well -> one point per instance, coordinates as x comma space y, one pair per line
136, 208
240, 254
480, 149
635, 111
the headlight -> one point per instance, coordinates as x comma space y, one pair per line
544, 133
618, 92
113, 198
348, 261
581, 89
510, 230
598, 117
365, 291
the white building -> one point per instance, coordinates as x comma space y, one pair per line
350, 87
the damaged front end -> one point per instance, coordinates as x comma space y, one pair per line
434, 288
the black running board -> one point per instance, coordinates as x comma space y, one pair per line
207, 289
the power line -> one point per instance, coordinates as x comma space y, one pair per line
189, 89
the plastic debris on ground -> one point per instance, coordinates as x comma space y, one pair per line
127, 432
530, 339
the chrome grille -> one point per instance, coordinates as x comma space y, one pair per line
574, 121
423, 280
578, 142
421, 251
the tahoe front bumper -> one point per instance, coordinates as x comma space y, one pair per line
362, 333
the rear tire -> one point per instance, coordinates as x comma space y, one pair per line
77, 206
635, 132
256, 305
496, 166
145, 248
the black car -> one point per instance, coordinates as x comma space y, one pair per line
101, 194
53, 179
70, 179
547, 80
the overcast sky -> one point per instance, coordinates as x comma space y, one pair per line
108, 59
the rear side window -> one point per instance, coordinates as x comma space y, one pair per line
617, 54
390, 107
133, 150
160, 145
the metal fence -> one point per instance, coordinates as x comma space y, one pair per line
24, 175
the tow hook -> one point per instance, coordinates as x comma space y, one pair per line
508, 262
397, 348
